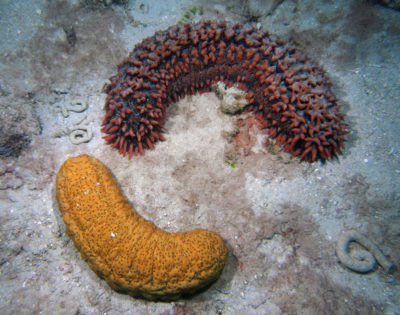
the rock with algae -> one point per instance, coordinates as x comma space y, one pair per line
233, 99
394, 4
18, 123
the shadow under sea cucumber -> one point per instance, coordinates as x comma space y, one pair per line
287, 92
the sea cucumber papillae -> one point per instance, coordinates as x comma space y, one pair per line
287, 92
130, 253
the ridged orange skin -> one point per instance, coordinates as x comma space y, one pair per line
129, 252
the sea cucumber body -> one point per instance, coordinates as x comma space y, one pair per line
129, 252
288, 93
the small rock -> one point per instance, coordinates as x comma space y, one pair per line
233, 99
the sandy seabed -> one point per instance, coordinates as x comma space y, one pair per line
280, 217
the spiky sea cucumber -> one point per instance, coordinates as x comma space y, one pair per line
130, 253
287, 92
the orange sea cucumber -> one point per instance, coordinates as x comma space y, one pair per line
129, 252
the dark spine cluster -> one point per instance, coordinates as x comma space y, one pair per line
287, 93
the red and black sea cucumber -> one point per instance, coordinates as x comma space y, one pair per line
287, 93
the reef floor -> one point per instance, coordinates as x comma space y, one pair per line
281, 218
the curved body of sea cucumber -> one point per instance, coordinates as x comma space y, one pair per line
130, 253
288, 93
361, 260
